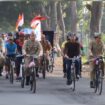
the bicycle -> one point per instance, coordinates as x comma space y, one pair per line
44, 64
32, 68
22, 70
73, 70
11, 59
98, 80
23, 74
51, 61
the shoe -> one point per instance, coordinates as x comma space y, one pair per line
92, 84
37, 75
77, 77
0, 74
65, 75
6, 76
18, 78
69, 82
27, 80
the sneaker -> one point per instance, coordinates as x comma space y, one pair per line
65, 75
92, 84
69, 82
27, 80
7, 76
0, 74
77, 77
37, 75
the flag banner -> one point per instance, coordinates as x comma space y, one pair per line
37, 30
20, 21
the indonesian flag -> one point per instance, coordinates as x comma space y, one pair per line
20, 21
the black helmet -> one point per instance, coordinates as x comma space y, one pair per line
10, 34
69, 34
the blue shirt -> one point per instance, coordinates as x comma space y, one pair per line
11, 48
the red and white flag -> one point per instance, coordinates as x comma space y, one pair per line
20, 21
34, 24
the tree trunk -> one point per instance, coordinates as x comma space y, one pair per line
44, 13
96, 17
61, 20
53, 15
73, 16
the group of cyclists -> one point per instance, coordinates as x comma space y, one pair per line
24, 46
70, 48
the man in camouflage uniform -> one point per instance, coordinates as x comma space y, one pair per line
31, 47
46, 45
96, 49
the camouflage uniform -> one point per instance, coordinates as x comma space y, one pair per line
96, 49
31, 48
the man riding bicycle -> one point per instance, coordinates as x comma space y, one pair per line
64, 59
96, 49
31, 47
10, 51
19, 42
72, 49
46, 49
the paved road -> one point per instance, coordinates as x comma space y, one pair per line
51, 91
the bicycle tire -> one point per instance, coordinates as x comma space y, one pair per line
73, 79
100, 82
44, 69
96, 81
11, 75
34, 80
23, 78
52, 65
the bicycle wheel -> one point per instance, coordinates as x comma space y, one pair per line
44, 69
11, 74
52, 65
33, 80
23, 78
73, 78
100, 82
96, 81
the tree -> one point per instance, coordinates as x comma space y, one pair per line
73, 16
96, 10
60, 19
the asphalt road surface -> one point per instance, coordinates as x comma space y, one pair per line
51, 91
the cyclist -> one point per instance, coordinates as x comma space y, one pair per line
64, 59
72, 49
82, 53
10, 51
1, 56
19, 42
31, 47
96, 48
46, 45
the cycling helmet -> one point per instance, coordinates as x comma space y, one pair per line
21, 33
96, 34
10, 34
69, 34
